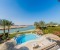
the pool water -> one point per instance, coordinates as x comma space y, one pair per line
25, 37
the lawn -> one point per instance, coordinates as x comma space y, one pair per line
54, 30
16, 33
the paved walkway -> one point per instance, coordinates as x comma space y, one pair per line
52, 36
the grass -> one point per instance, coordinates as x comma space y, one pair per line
51, 30
12, 35
16, 33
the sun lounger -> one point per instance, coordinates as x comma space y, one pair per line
46, 46
35, 45
49, 46
54, 48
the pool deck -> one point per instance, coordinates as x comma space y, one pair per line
42, 42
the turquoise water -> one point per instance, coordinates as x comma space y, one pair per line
19, 29
26, 37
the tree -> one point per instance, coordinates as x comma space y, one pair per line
52, 23
5, 23
9, 24
0, 21
41, 23
36, 24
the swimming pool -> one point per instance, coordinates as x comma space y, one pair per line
25, 37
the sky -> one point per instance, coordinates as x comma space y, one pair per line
26, 12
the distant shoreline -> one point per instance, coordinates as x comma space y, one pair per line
12, 27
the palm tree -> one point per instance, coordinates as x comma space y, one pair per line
9, 24
0, 21
3, 23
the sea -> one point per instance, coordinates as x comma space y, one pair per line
18, 29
